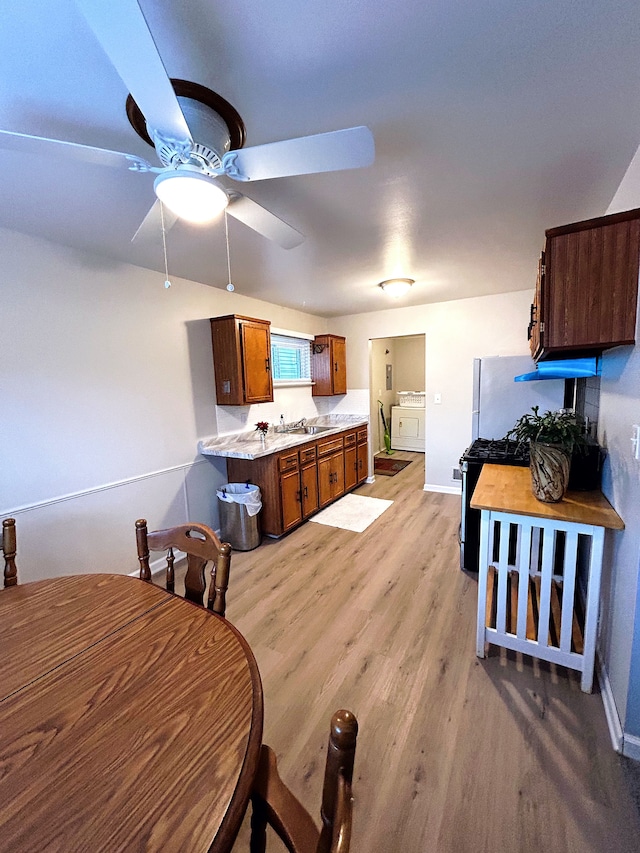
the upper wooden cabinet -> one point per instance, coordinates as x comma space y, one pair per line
587, 288
329, 365
242, 360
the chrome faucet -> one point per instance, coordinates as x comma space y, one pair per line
297, 424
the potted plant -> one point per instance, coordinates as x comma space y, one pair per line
551, 438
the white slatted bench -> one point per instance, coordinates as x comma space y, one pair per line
540, 569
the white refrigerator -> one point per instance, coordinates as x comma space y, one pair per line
498, 401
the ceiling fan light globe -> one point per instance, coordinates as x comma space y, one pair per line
396, 287
191, 195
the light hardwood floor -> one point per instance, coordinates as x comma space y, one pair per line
455, 754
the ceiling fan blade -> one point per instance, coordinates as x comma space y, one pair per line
264, 222
325, 152
122, 30
39, 146
150, 229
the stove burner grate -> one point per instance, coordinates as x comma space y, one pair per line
497, 451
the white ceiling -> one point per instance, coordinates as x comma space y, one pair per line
493, 120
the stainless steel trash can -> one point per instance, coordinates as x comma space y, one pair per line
239, 505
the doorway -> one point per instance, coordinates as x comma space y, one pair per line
396, 364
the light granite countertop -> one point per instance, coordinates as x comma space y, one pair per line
248, 445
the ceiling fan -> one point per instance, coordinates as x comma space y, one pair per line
197, 135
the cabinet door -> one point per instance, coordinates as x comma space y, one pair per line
309, 483
363, 463
350, 467
535, 319
256, 362
339, 366
329, 366
337, 472
590, 290
291, 503
325, 481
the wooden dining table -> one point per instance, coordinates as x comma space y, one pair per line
130, 719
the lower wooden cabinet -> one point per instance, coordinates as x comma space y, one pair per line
308, 480
296, 483
290, 496
362, 461
330, 469
350, 461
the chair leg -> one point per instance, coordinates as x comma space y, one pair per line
143, 549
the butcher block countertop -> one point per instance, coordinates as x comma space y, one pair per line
507, 488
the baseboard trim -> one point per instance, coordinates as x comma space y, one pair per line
611, 712
445, 490
631, 747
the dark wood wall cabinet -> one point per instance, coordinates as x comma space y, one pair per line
298, 482
242, 360
329, 365
587, 287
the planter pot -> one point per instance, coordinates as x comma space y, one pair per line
549, 471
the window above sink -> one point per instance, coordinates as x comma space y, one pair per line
290, 358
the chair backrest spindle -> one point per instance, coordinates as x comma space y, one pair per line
9, 551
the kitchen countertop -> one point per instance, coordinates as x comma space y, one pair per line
507, 488
247, 445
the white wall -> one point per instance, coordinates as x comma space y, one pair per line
619, 643
619, 410
409, 363
456, 332
106, 386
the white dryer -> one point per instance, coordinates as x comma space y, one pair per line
407, 428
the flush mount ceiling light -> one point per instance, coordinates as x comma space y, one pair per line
396, 286
190, 194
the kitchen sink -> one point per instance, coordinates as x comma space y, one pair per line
309, 430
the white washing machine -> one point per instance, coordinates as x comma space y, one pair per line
407, 428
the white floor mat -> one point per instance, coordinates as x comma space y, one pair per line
352, 512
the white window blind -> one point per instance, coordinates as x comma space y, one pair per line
290, 358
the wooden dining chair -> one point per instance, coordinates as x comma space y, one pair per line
275, 805
9, 551
201, 545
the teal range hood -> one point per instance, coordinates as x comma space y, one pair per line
567, 368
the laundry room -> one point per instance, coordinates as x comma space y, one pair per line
398, 393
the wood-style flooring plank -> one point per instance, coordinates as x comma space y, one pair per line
455, 754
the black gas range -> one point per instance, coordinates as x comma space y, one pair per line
497, 452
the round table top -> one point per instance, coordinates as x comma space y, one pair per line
130, 719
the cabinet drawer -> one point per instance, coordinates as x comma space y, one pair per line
350, 439
363, 435
288, 461
307, 454
330, 446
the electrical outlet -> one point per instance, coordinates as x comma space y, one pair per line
457, 474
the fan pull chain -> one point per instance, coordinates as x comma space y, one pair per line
167, 283
230, 286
